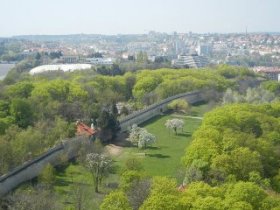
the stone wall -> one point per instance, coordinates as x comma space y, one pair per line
33, 168
156, 109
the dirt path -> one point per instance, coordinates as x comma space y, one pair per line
113, 150
193, 117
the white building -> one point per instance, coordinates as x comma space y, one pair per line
272, 73
59, 67
191, 61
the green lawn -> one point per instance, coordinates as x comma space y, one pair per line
164, 157
161, 159
75, 178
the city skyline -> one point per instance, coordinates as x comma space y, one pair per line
126, 17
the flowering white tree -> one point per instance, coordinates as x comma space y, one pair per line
134, 134
174, 124
98, 165
141, 137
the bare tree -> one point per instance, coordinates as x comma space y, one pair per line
33, 200
138, 193
79, 196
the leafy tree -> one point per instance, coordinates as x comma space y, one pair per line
6, 156
21, 90
163, 195
272, 86
116, 200
130, 177
161, 201
178, 105
142, 57
276, 182
22, 112
47, 176
133, 164
145, 85
247, 192
164, 185
109, 125
208, 203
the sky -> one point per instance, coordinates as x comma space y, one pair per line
40, 17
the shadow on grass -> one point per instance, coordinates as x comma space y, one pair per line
152, 120
158, 155
199, 103
153, 148
185, 134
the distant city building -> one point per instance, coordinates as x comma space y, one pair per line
70, 59
204, 49
272, 73
191, 61
100, 61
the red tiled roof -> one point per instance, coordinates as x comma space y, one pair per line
83, 129
267, 69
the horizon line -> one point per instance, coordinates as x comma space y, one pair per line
124, 34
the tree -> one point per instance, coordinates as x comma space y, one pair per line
208, 203
99, 166
231, 96
109, 124
33, 199
47, 176
179, 105
160, 202
21, 89
252, 95
145, 139
138, 193
116, 200
141, 137
247, 192
79, 196
193, 174
163, 195
6, 156
133, 164
22, 112
142, 57
128, 177
174, 124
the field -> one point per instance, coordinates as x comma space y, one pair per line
164, 157
161, 159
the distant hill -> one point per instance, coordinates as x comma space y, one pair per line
80, 37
